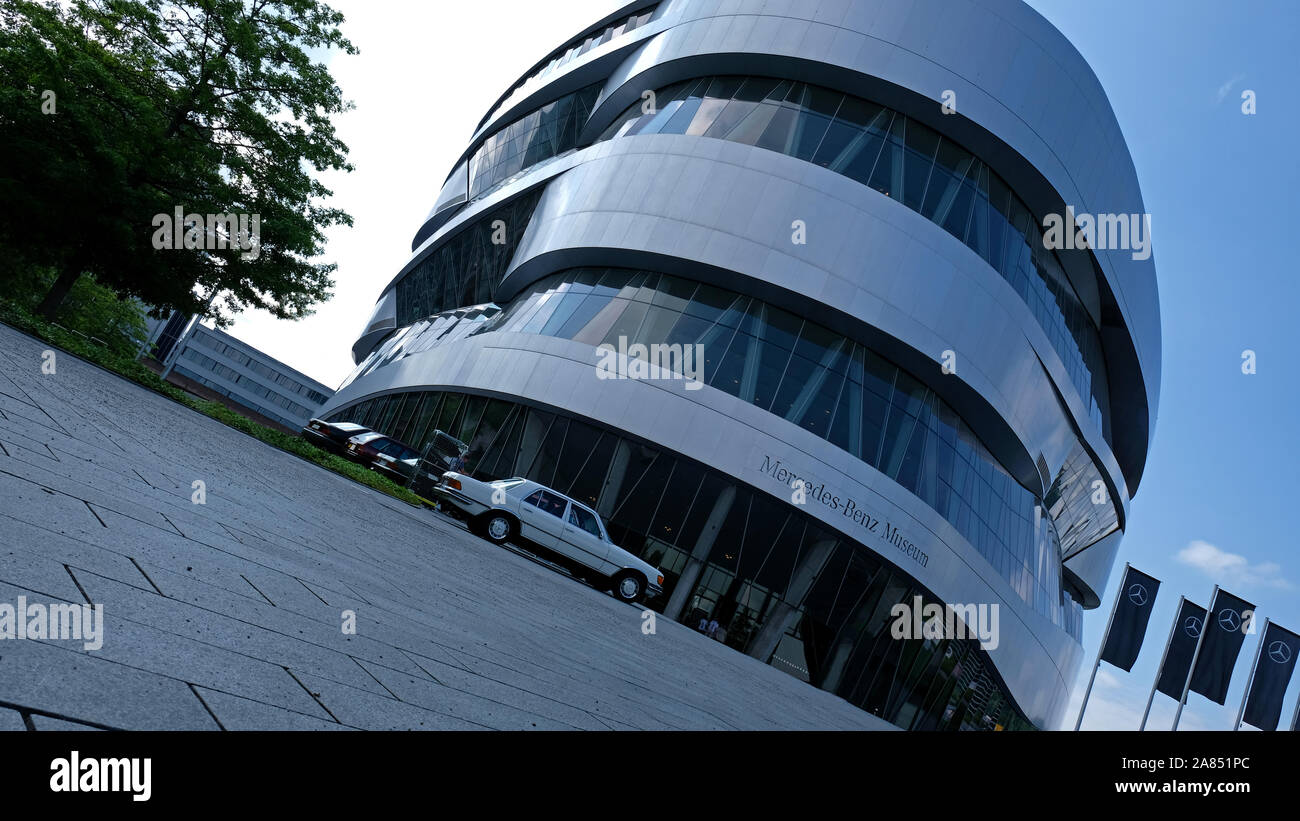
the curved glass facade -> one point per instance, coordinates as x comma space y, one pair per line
465, 269
423, 335
906, 161
784, 588
824, 382
493, 354
578, 48
1080, 504
547, 132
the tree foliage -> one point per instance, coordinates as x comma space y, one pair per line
113, 112
90, 309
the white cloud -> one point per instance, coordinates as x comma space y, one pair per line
1118, 700
1115, 704
1227, 87
1232, 568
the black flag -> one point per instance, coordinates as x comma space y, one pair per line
1128, 625
1225, 632
1278, 650
1182, 644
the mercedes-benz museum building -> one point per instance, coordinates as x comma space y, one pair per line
887, 384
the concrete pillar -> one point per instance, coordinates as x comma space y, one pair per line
700, 553
614, 480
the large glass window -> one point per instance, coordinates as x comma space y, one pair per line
571, 52
465, 269
540, 135
828, 384
784, 588
907, 161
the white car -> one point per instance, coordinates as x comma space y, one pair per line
509, 509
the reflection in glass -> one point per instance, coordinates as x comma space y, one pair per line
783, 588
907, 161
807, 374
464, 269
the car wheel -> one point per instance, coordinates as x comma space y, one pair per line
497, 527
628, 587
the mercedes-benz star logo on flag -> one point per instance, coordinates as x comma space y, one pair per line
1192, 626
1280, 652
1229, 620
1137, 594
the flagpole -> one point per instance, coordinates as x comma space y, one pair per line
1163, 657
1250, 682
1105, 637
1296, 716
1187, 685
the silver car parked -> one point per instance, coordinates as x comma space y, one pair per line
510, 509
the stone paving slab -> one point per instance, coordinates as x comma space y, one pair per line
58, 725
38, 543
82, 686
365, 710
238, 713
253, 638
11, 720
229, 614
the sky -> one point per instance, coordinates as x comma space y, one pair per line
1219, 185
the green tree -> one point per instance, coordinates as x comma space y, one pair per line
90, 309
113, 112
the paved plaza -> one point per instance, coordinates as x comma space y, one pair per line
231, 614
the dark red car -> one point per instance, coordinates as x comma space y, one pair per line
331, 436
384, 455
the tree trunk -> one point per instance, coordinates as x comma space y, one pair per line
58, 292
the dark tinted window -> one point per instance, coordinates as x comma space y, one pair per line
584, 519
552, 503
539, 135
463, 269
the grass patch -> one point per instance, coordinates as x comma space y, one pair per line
127, 367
